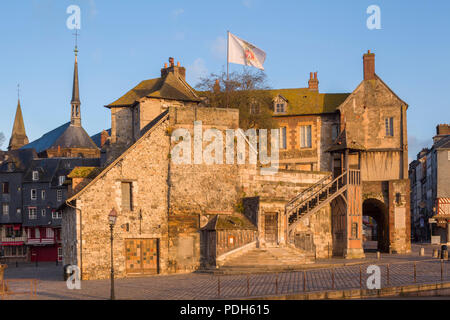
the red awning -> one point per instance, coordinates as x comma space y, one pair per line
16, 227
12, 243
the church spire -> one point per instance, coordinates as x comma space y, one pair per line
75, 119
18, 137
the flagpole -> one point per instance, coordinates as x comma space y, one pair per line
228, 63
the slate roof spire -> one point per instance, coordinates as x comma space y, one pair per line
75, 118
18, 137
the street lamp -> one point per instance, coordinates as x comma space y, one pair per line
112, 221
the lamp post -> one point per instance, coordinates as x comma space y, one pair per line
112, 221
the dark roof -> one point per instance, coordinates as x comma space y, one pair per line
51, 168
65, 136
20, 159
97, 138
443, 143
171, 86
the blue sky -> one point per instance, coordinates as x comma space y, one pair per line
124, 42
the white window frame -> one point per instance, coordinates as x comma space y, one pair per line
43, 212
306, 136
61, 180
32, 213
56, 215
49, 233
43, 194
35, 175
5, 208
37, 233
33, 194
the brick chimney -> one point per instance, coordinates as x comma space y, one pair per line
313, 83
369, 65
177, 70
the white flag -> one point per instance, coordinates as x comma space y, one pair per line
243, 52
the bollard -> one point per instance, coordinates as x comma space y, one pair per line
378, 255
435, 253
422, 252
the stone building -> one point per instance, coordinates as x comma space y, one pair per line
347, 157
430, 190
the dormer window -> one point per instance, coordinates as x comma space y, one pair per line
280, 104
35, 175
61, 180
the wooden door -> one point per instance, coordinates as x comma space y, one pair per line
142, 256
271, 227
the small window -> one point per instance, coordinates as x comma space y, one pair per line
5, 187
334, 131
280, 108
59, 195
5, 208
49, 233
35, 175
305, 137
389, 124
56, 215
254, 108
19, 211
283, 142
59, 253
33, 194
61, 180
32, 215
43, 212
43, 194
127, 196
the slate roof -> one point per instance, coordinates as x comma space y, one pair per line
20, 158
444, 143
65, 136
171, 87
51, 168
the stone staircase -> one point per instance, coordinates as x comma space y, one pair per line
265, 260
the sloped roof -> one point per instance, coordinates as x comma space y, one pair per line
20, 158
234, 221
342, 144
170, 86
303, 101
65, 136
444, 143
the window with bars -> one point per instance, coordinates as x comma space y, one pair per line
389, 124
305, 137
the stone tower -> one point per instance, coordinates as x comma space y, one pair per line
18, 137
75, 118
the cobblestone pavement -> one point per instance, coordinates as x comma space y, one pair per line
207, 286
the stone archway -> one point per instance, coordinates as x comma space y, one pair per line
378, 211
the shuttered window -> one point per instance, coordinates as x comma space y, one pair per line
127, 196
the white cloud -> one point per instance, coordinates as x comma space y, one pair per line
195, 71
219, 48
177, 12
247, 3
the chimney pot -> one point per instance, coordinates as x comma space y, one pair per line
178, 63
165, 65
313, 83
171, 61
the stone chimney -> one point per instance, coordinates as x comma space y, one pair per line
313, 83
103, 138
442, 130
176, 69
369, 65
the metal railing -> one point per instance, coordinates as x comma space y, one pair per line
9, 287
